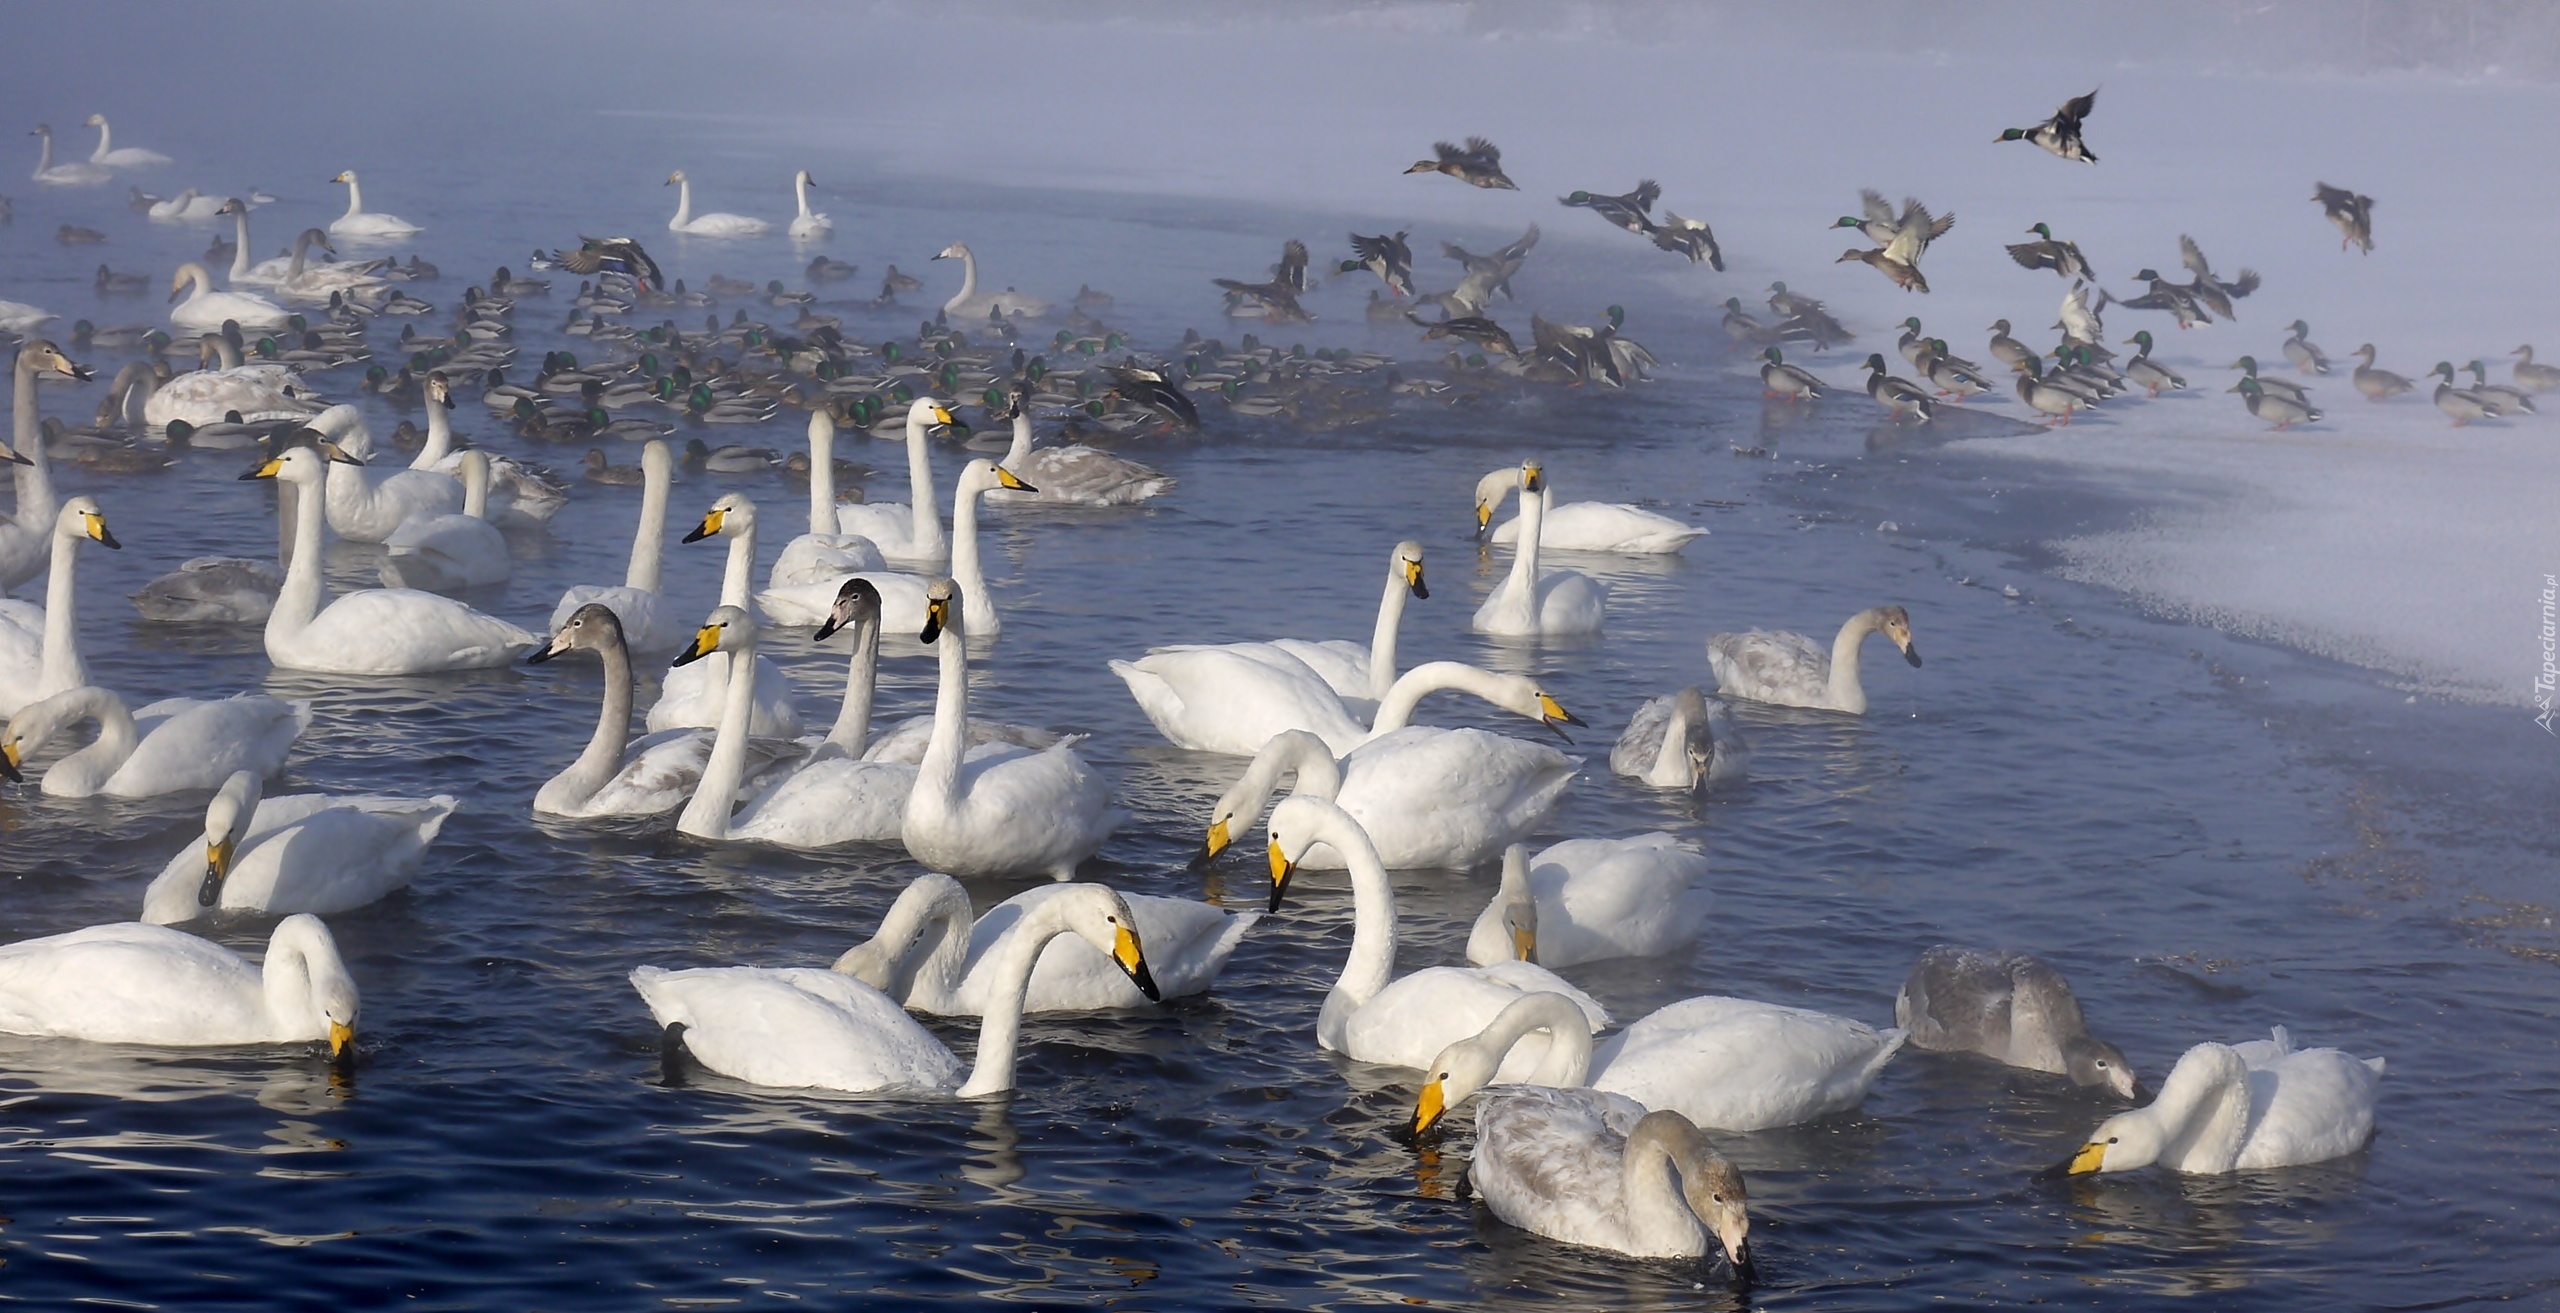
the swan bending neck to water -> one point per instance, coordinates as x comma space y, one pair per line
1790, 670
131, 983
2242, 1107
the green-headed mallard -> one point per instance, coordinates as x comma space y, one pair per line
2377, 384
2061, 133
1277, 299
1632, 211
2460, 403
1477, 164
2064, 258
2305, 355
2147, 373
1951, 376
1898, 396
1474, 329
1784, 380
2352, 213
2282, 411
1689, 237
2503, 400
2248, 367
1742, 327
1913, 344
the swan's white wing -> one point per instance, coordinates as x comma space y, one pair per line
1416, 1016
399, 631
1430, 796
1604, 898
905, 742
814, 558
201, 745
1740, 1065
1235, 698
1083, 476
2307, 1106
1788, 669
1342, 664
1017, 813
133, 984
831, 800
692, 695
797, 1027
649, 624
1186, 942
1614, 527
1553, 1162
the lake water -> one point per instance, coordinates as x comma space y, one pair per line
2211, 837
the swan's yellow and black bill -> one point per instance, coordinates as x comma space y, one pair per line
1484, 515
1533, 479
1012, 480
9, 762
706, 641
1524, 943
937, 613
1554, 710
1132, 959
1217, 841
96, 527
1413, 572
943, 415
1281, 869
341, 1037
338, 455
268, 469
710, 525
1428, 1108
2092, 1157
217, 868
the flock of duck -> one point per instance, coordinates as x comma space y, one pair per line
1597, 1141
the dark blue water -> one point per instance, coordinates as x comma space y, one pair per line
2210, 837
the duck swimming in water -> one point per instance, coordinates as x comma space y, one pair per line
1477, 164
2061, 133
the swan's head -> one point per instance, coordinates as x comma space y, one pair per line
1098, 915
304, 467
1298, 824
226, 818
94, 121
233, 206
1406, 565
856, 607
333, 991
727, 629
941, 609
2121, 1143
673, 178
345, 175
657, 460
1515, 906
41, 130
41, 357
1296, 752
804, 179
1490, 492
955, 251
732, 515
986, 476
439, 389
1533, 477
593, 627
929, 413
81, 518
1895, 624
2092, 1062
1710, 1183
37, 722
1463, 1068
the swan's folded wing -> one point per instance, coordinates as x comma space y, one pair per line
2313, 1105
796, 1027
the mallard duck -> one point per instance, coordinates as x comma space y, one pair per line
2053, 253
111, 283
1477, 164
2537, 378
2147, 373
1492, 272
2460, 403
1689, 237
1475, 330
1791, 304
2009, 350
2352, 213
1905, 276
1951, 376
2215, 294
72, 234
1387, 256
2061, 133
1632, 211
2049, 395
2248, 367
828, 269
1780, 379
2169, 296
616, 255
1277, 299
2282, 411
2504, 400
2377, 384
1899, 257
1896, 395
2299, 349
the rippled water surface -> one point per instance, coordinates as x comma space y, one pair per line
2210, 838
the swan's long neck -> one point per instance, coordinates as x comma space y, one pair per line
115, 742
439, 438
968, 275
1382, 639
603, 757
1658, 1217
800, 184
355, 197
106, 135
938, 775
822, 472
202, 285
861, 677
1671, 766
2203, 1111
1524, 553
226, 353
1373, 928
739, 578
965, 570
1021, 448
1567, 1062
706, 814
240, 243
61, 667
303, 591
296, 959
475, 488
684, 204
935, 910
301, 252
1295, 752
36, 505
1395, 710
1845, 692
920, 499
44, 153
1000, 1030
649, 545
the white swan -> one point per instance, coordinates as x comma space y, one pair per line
616, 776
360, 223
708, 225
808, 226
2011, 1008
77, 173
1362, 675
728, 631
1589, 900
2242, 1108
934, 954
19, 317
1790, 670
909, 532
368, 505
36, 664
827, 552
175, 745
259, 393
1596, 1169
1683, 740
260, 273
1729, 1063
306, 852
903, 596
1428, 797
145, 984
970, 303
206, 309
693, 694
109, 155
639, 603
189, 206
1007, 814
1582, 526
379, 631
809, 1028
1370, 1014
26, 538
835, 795
1236, 697
449, 553
1527, 603
1074, 475
521, 496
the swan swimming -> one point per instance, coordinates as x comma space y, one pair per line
307, 852
358, 222
971, 304
911, 531
1073, 475
903, 596
1788, 669
808, 226
38, 662
27, 537
694, 693
1590, 900
1596, 1169
835, 794
175, 745
2241, 1108
1685, 740
206, 310
828, 551
76, 173
708, 225
132, 983
1529, 602
640, 608
367, 505
810, 1028
450, 553
109, 155
2009, 1007
1582, 526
